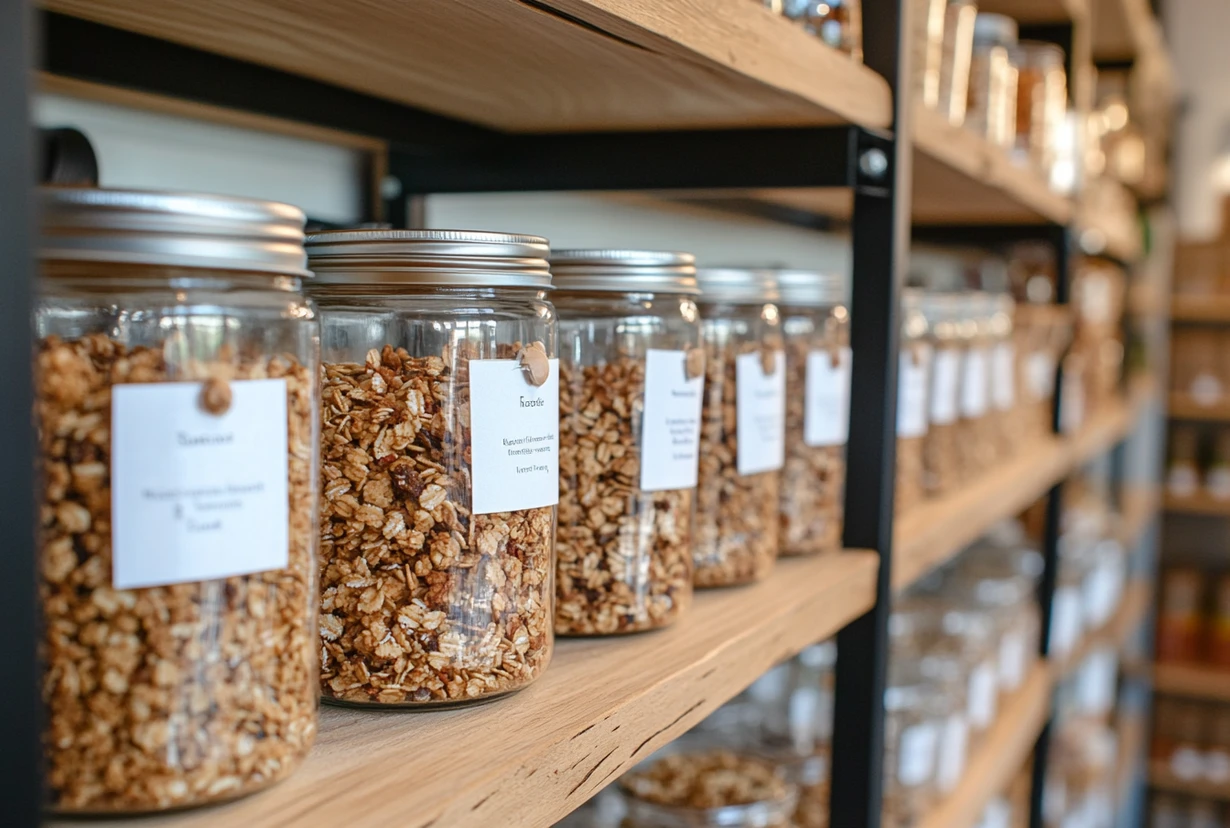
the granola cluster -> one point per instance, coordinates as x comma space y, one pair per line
707, 779
422, 602
625, 556
174, 695
813, 477
736, 534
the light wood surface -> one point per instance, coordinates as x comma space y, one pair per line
961, 178
1161, 778
934, 531
1200, 308
1200, 503
1038, 11
1114, 634
1183, 407
549, 66
1119, 28
1193, 681
999, 758
602, 706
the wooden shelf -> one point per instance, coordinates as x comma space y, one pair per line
548, 66
531, 758
1183, 407
1038, 11
1161, 778
1200, 309
961, 178
1119, 29
1193, 681
1200, 503
1133, 607
933, 532
1003, 752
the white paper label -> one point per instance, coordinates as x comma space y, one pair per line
1040, 375
998, 814
983, 693
826, 415
760, 401
1218, 482
945, 384
197, 496
1097, 682
514, 433
1187, 763
670, 434
954, 743
916, 759
1065, 619
1003, 376
1013, 657
1206, 390
1182, 481
1217, 766
974, 383
914, 370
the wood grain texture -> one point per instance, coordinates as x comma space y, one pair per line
1193, 681
933, 532
1114, 634
961, 178
1200, 309
1000, 756
543, 66
602, 706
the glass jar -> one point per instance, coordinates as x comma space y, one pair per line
1183, 465
439, 464
175, 349
839, 23
993, 79
629, 438
1004, 414
1179, 616
976, 441
949, 672
1217, 477
816, 327
743, 428
916, 711
942, 452
913, 381
958, 47
703, 788
1041, 101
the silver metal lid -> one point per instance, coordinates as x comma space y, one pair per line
737, 285
438, 258
809, 289
625, 271
168, 229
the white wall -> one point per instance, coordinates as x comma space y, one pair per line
1196, 31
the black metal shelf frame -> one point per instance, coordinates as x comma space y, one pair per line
430, 153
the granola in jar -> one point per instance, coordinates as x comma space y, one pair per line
439, 467
742, 428
176, 407
913, 383
941, 446
631, 384
815, 326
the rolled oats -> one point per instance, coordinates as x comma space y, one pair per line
737, 523
625, 555
165, 696
422, 602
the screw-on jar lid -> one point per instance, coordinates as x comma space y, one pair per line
625, 271
738, 286
809, 289
168, 229
437, 258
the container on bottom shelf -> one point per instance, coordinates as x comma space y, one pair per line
631, 377
179, 629
916, 712
743, 428
437, 552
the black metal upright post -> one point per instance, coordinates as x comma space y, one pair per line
20, 760
880, 231
1062, 242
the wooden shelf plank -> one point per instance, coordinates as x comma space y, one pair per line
1200, 503
1003, 751
549, 66
529, 759
1184, 407
1038, 11
930, 534
1200, 309
961, 178
1161, 778
1119, 29
1194, 681
1133, 607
